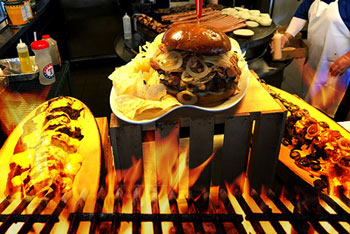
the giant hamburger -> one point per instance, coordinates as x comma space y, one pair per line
196, 64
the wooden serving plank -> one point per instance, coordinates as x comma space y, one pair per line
267, 137
201, 147
127, 144
236, 147
306, 175
163, 130
107, 161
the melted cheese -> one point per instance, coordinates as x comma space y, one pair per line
23, 159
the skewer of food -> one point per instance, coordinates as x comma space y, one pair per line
151, 23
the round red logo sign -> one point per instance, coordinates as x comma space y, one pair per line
48, 71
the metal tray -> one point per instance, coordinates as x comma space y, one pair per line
11, 69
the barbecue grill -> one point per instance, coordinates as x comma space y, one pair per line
255, 213
277, 200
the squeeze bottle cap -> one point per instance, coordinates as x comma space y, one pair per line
39, 45
21, 45
46, 36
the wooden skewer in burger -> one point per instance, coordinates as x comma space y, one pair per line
196, 64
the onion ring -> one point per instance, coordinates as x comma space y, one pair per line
170, 61
205, 71
312, 131
218, 60
186, 97
185, 77
344, 144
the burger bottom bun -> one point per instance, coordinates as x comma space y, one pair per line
208, 97
214, 97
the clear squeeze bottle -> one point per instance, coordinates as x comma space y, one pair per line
53, 48
277, 53
24, 59
44, 62
127, 27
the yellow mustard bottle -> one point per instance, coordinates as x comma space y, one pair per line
24, 59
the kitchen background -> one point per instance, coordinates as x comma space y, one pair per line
88, 38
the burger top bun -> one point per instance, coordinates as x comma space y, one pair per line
196, 38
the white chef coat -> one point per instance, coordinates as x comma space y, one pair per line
328, 39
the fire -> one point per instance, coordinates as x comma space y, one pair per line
129, 178
110, 181
152, 185
256, 203
173, 175
285, 224
168, 157
236, 206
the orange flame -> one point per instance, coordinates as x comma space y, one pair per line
129, 179
247, 225
169, 160
109, 200
248, 194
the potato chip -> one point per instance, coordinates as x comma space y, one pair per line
166, 102
150, 114
138, 88
129, 104
153, 79
149, 49
148, 105
169, 101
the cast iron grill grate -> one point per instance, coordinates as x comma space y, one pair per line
223, 217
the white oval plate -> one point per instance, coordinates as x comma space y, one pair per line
242, 84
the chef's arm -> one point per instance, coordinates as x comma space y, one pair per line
294, 27
340, 65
